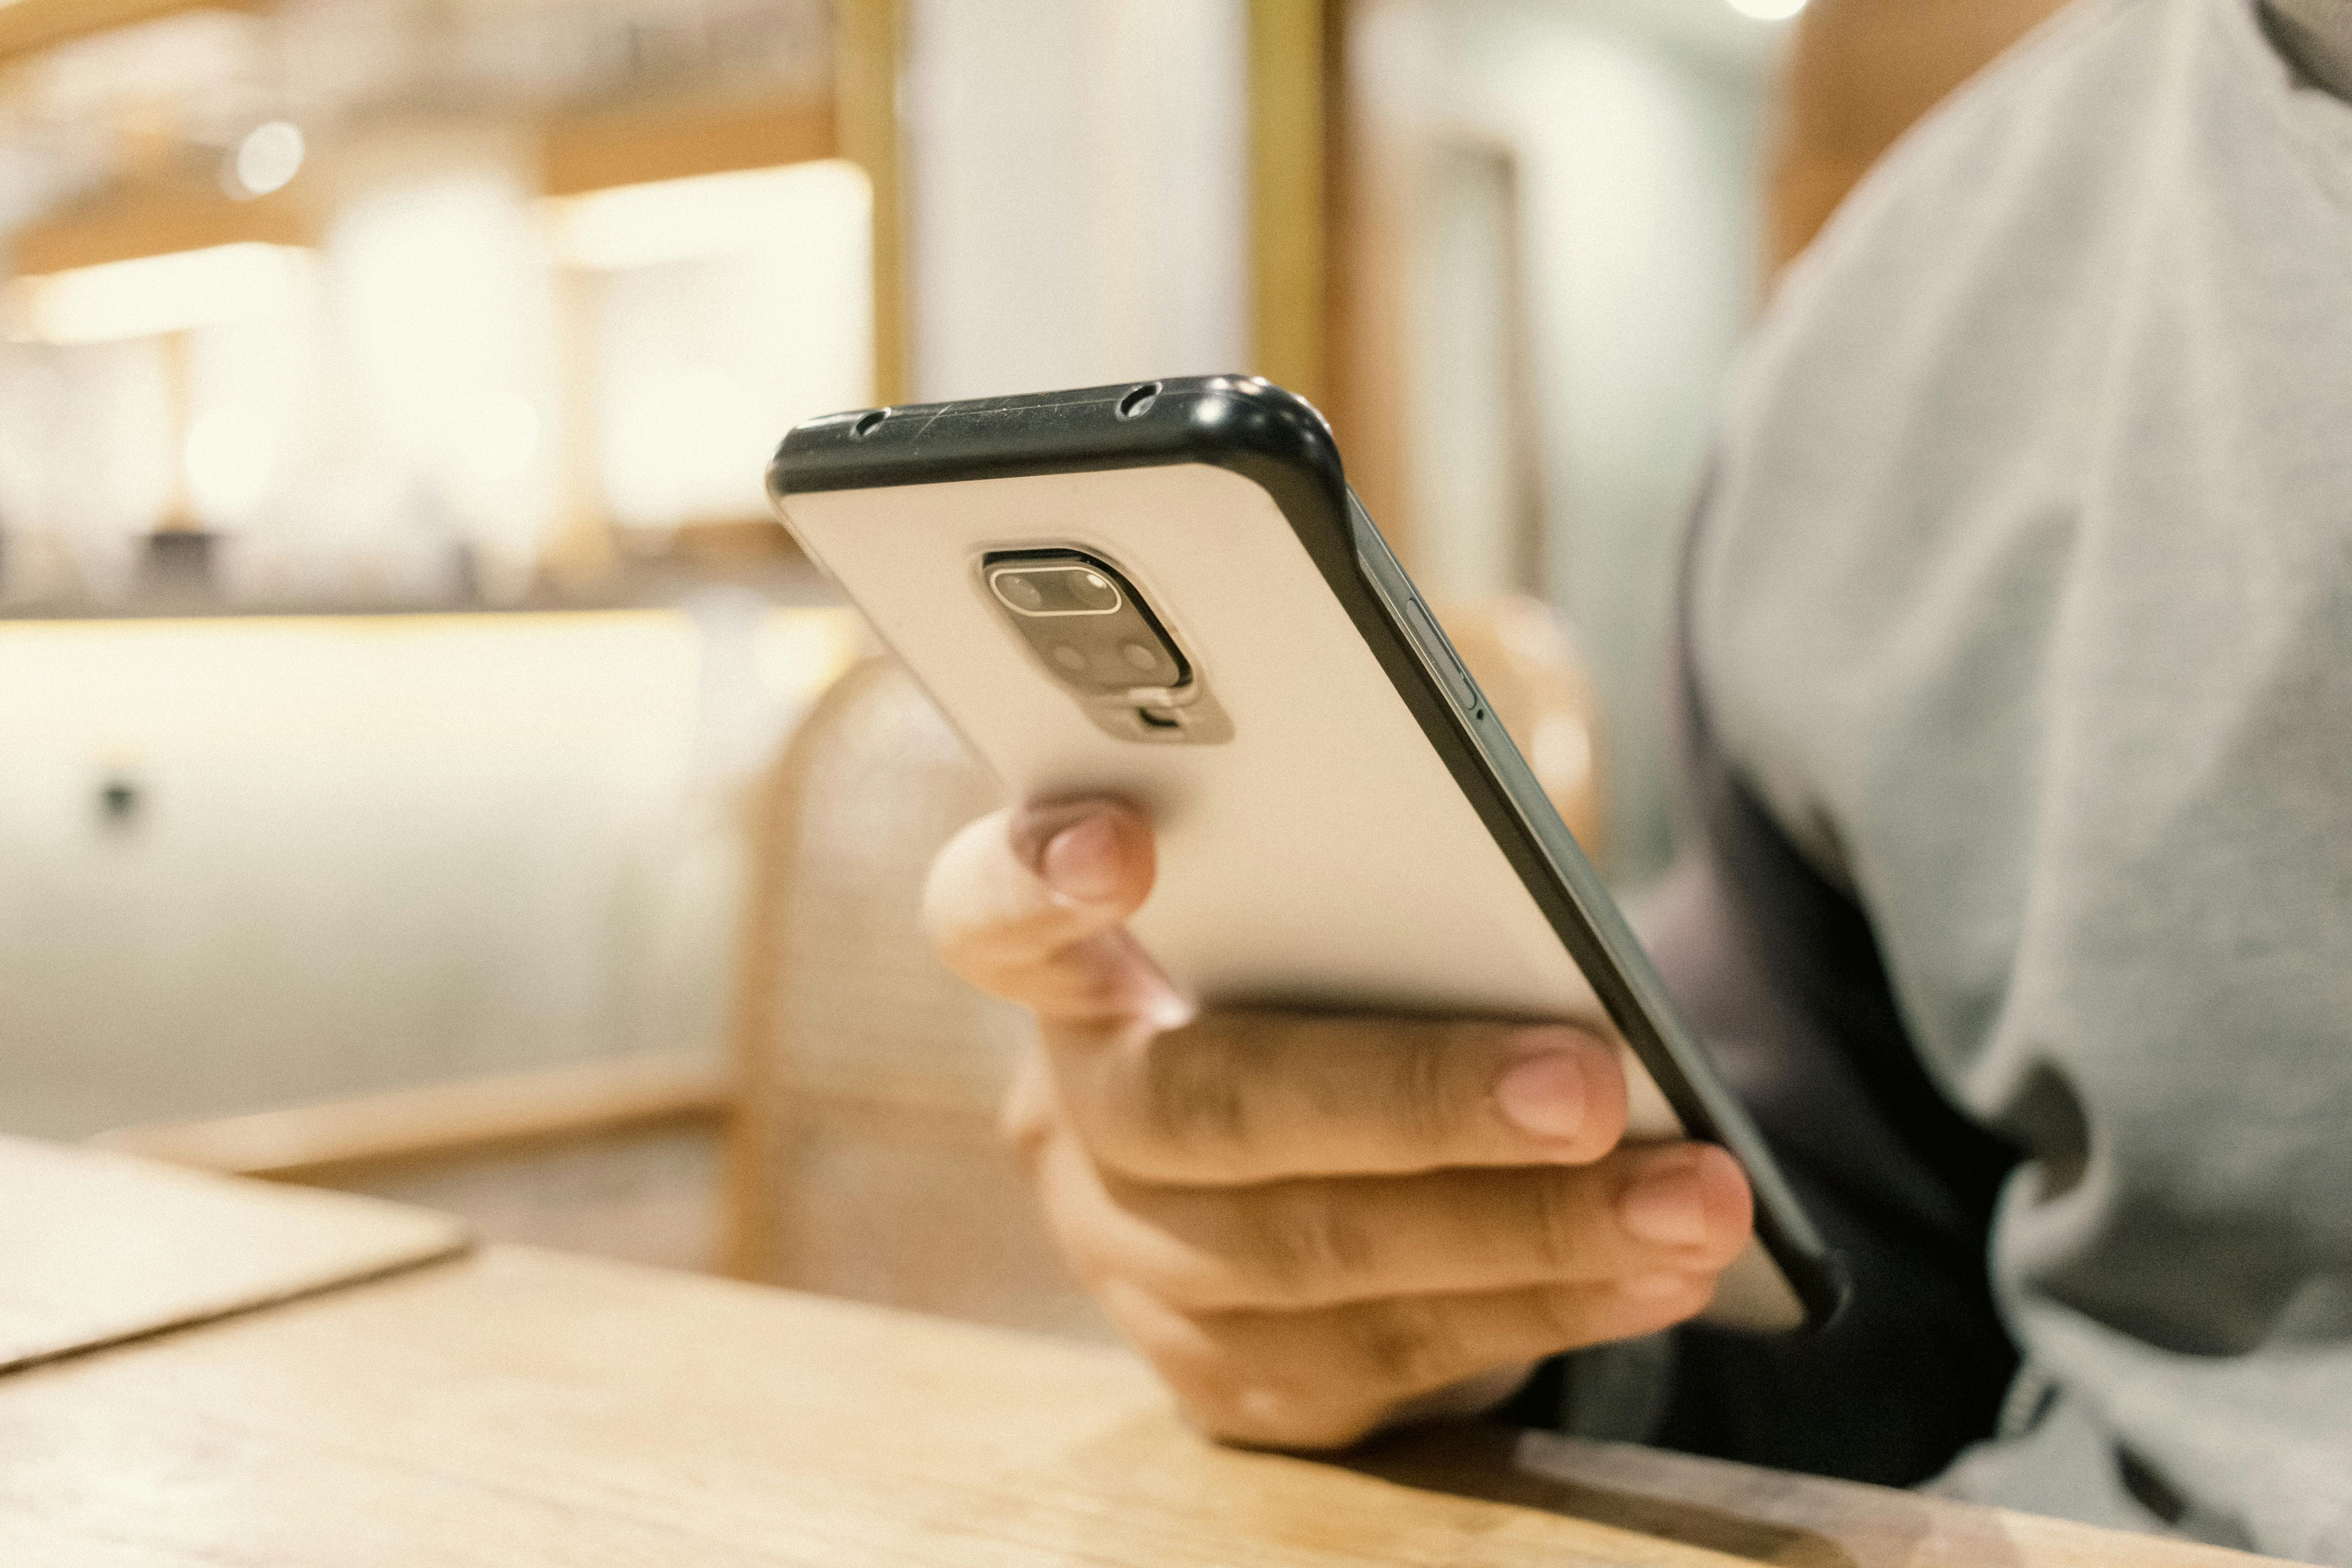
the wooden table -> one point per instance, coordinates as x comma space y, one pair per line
514, 1406
97, 1247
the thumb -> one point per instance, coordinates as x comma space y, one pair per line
1023, 898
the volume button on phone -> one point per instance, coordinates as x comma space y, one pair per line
1450, 673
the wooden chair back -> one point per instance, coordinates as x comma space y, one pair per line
864, 1158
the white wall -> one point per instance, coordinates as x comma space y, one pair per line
1635, 126
1076, 182
372, 851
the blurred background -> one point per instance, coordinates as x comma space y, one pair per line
427, 768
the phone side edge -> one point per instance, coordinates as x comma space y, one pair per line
1335, 529
1543, 851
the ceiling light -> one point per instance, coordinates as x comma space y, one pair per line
266, 160
704, 215
153, 294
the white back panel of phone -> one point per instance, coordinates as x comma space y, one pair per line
1324, 854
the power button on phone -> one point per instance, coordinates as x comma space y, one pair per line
1450, 673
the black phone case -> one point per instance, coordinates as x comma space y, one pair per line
1280, 442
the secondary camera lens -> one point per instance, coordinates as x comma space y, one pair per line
1019, 592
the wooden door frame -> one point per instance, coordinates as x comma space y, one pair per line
1324, 205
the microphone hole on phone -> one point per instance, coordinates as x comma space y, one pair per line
868, 423
1139, 400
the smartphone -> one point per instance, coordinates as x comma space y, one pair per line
1166, 591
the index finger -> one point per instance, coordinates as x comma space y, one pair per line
1242, 1096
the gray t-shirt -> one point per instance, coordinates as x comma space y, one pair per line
2023, 600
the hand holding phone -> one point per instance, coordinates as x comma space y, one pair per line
1315, 1224
1317, 1204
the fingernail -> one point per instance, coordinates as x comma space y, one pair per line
1034, 826
1543, 1094
1667, 1204
1081, 862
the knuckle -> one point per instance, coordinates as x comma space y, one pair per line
1425, 1081
1089, 987
1188, 1100
1309, 1243
1404, 1345
1557, 1220
1565, 1315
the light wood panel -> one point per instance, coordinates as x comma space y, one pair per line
97, 1247
29, 25
870, 43
639, 144
1290, 259
438, 1120
1366, 241
524, 1407
1860, 73
154, 218
1326, 215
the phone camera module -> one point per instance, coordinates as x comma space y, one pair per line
1091, 633
1055, 590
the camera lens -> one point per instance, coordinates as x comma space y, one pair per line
1019, 592
1092, 591
1070, 658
